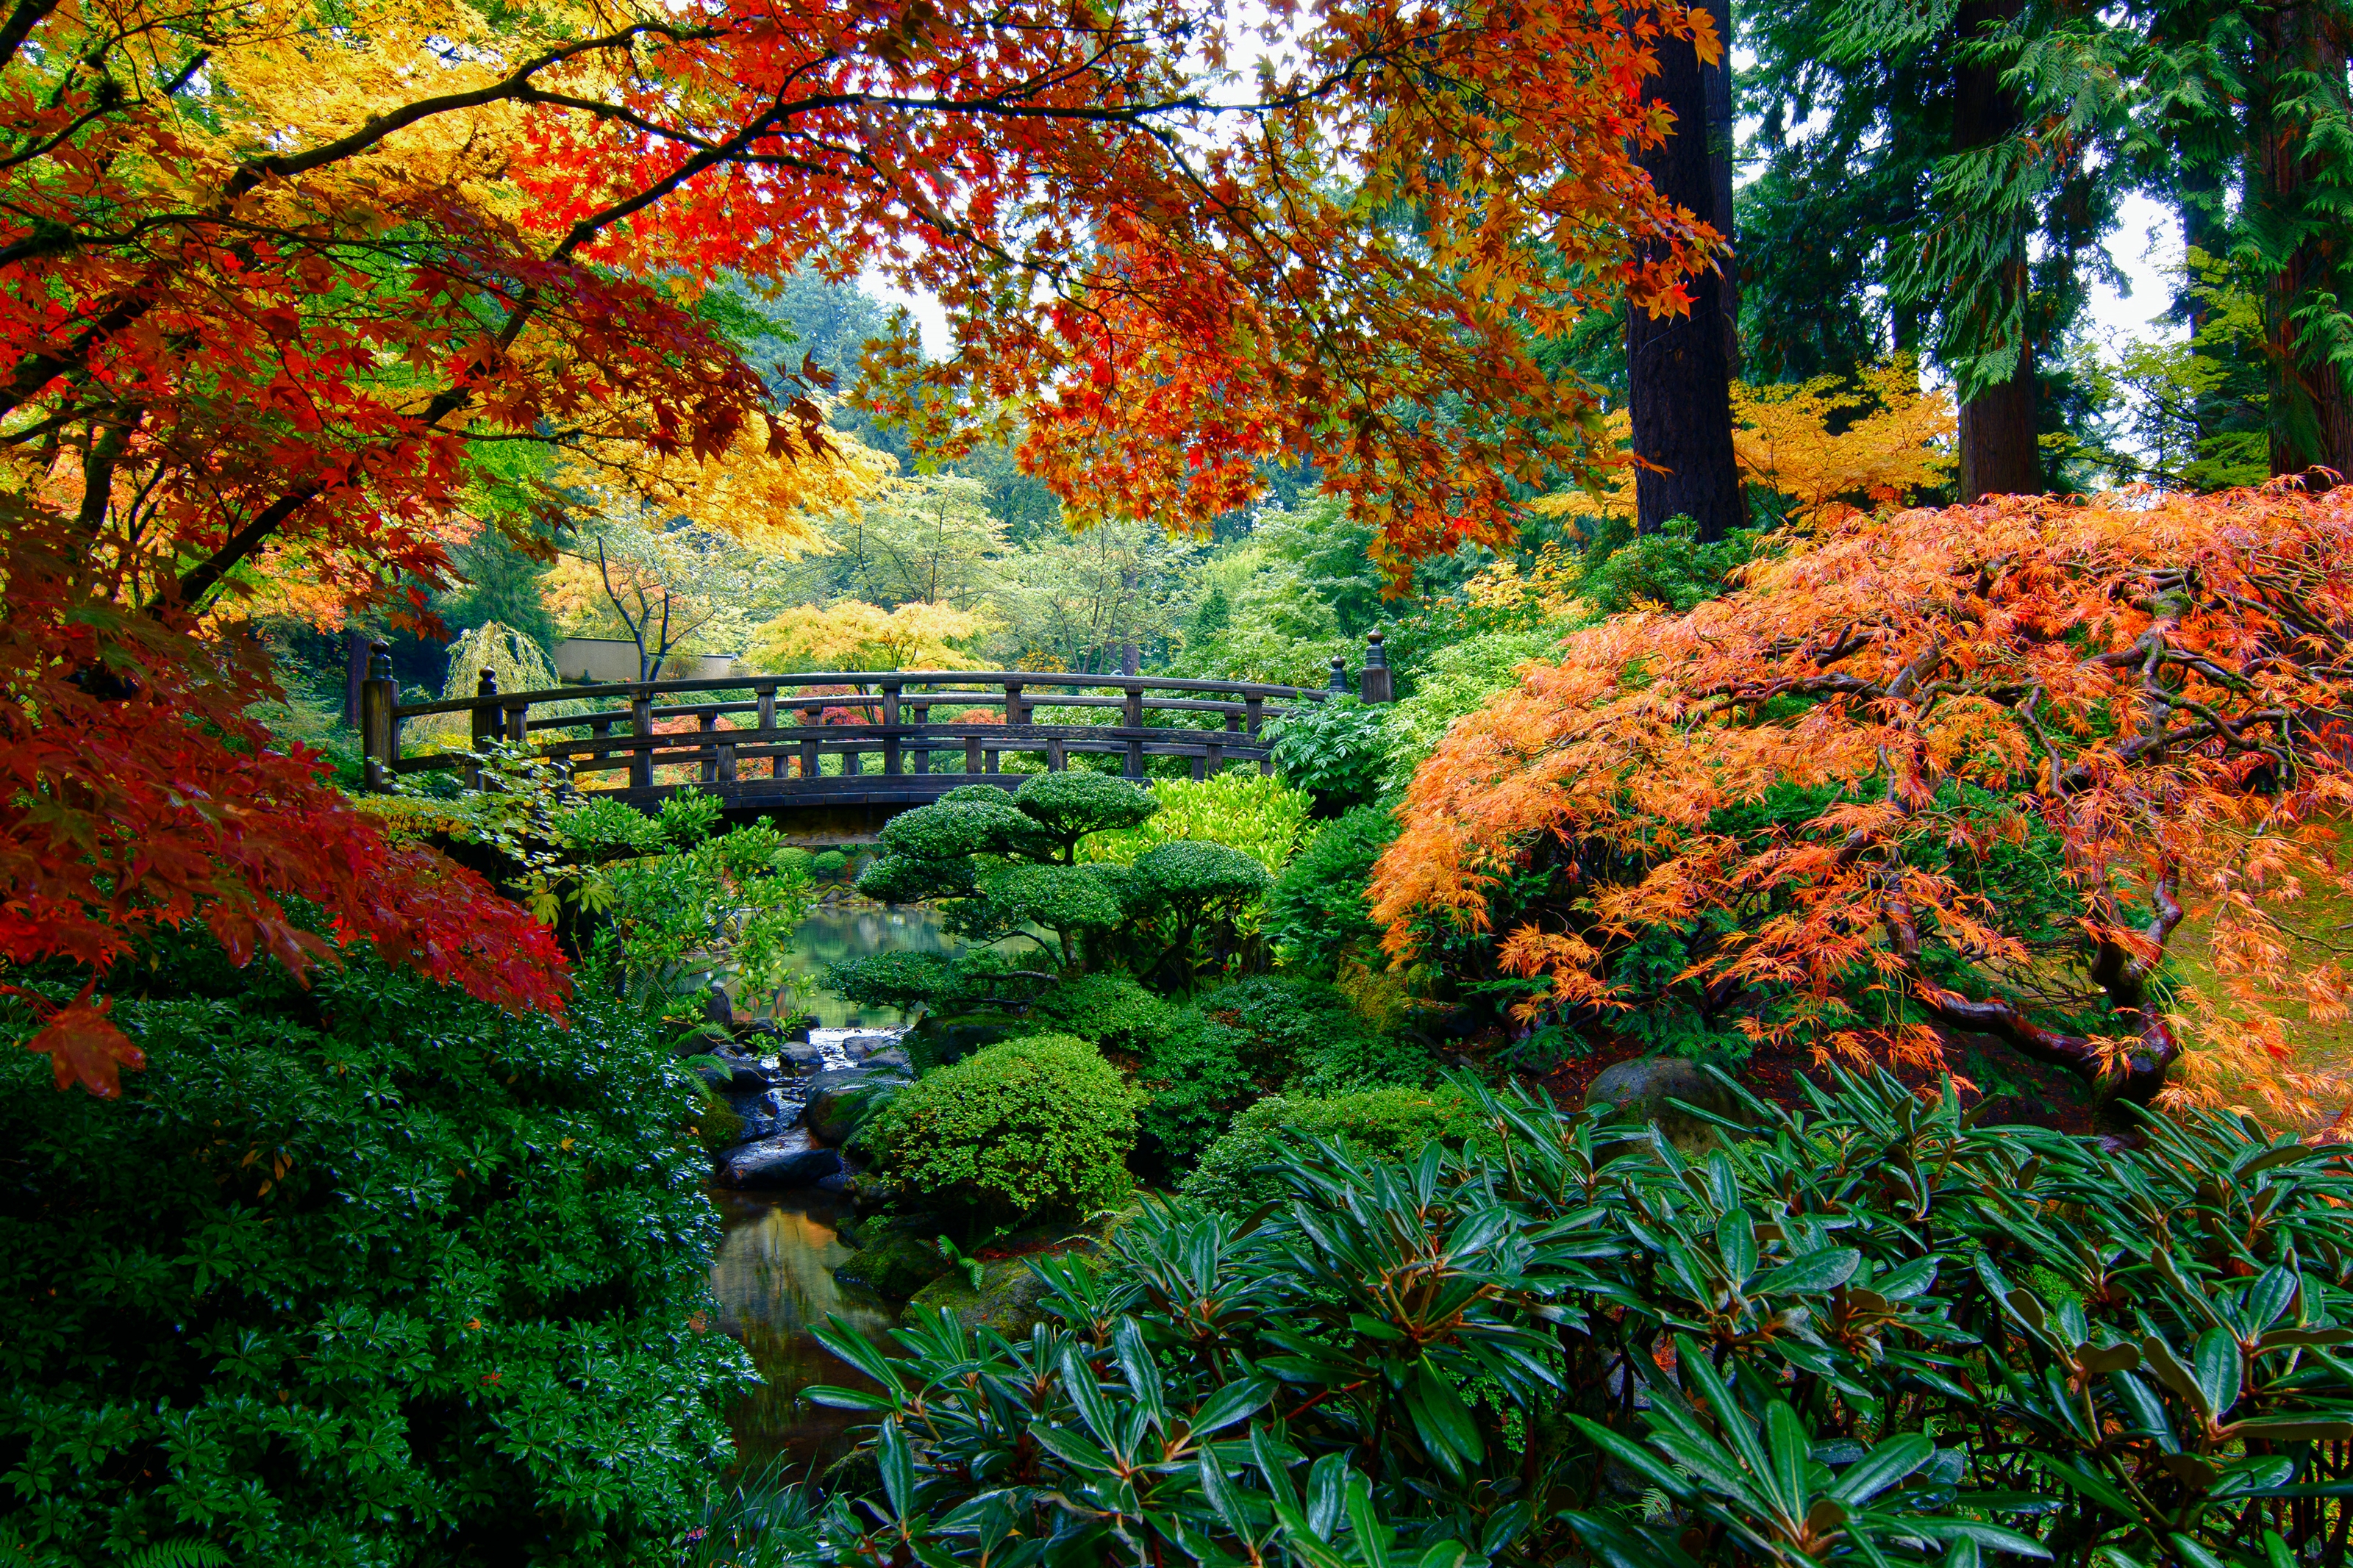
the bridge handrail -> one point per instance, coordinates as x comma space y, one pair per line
900, 677
714, 751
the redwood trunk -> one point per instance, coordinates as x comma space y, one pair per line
2312, 415
1997, 438
1998, 450
1679, 368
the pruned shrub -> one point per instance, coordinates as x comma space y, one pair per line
1111, 1010
1037, 1126
1316, 913
1236, 1174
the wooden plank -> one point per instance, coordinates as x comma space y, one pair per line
641, 722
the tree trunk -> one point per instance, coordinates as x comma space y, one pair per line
2312, 414
1998, 450
1997, 438
1722, 135
1680, 367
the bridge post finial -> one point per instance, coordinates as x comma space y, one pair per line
1377, 684
1339, 681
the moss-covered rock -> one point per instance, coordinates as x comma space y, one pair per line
898, 1264
1645, 1090
1010, 1299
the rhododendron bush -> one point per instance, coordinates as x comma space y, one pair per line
269, 283
1975, 770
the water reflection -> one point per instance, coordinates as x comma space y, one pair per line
836, 932
773, 1278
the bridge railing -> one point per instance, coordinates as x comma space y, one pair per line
865, 735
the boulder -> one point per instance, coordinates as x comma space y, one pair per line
839, 1102
937, 1042
898, 1264
1011, 1298
790, 1159
1645, 1087
764, 1114
859, 1045
892, 1061
744, 1075
800, 1054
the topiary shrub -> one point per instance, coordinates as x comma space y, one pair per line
1184, 903
1069, 806
1111, 1010
365, 1273
1317, 915
1038, 1126
1377, 1124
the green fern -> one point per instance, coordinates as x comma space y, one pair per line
183, 1553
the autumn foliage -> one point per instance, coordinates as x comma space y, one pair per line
1980, 769
271, 287
139, 795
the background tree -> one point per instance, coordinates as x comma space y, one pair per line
1680, 357
1094, 602
932, 539
849, 634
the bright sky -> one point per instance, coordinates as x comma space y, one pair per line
2148, 240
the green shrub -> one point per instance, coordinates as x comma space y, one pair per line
1037, 1126
828, 865
1317, 914
1459, 679
1336, 749
1243, 1041
1111, 1010
365, 1273
1303, 1033
1378, 1123
1263, 818
1197, 1079
1554, 1345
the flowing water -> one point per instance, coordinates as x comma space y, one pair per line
774, 1274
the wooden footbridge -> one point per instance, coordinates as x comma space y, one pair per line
833, 753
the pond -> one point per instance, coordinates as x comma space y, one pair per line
857, 928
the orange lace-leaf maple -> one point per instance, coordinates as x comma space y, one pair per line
2039, 736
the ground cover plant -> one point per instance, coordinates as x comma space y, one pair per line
1873, 1333
365, 1271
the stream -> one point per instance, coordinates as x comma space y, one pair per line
774, 1274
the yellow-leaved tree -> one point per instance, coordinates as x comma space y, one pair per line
1828, 448
856, 636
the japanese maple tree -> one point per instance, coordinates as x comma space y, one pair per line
1974, 769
